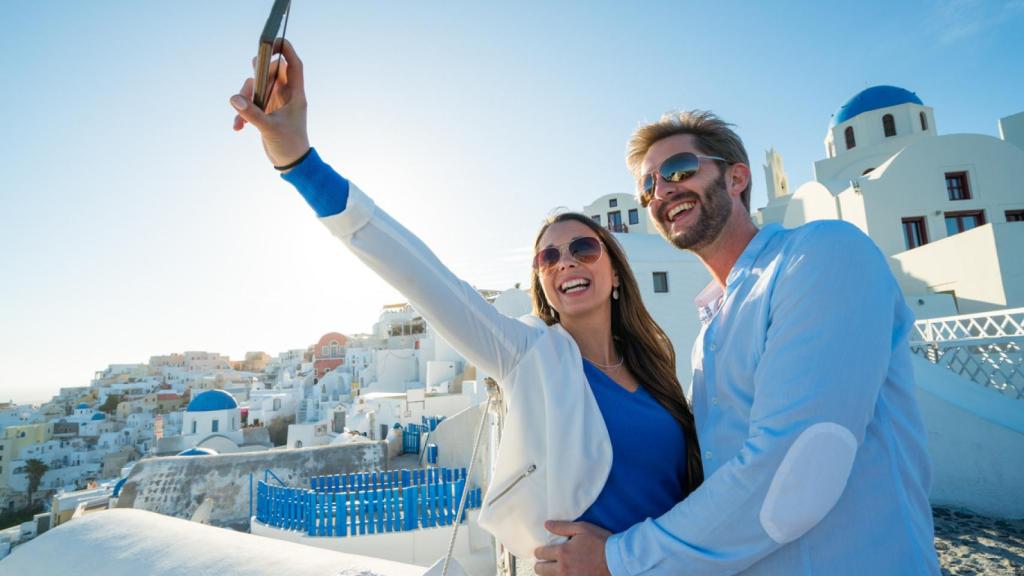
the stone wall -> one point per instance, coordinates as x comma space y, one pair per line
177, 485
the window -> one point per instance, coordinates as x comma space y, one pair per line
615, 221
660, 282
957, 222
193, 426
1011, 216
614, 202
634, 216
325, 350
216, 426
914, 232
596, 218
889, 125
957, 186
924, 121
851, 142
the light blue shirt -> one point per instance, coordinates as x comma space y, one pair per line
803, 395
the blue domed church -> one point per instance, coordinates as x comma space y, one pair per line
212, 420
946, 209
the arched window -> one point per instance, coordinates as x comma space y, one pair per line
851, 142
924, 121
889, 125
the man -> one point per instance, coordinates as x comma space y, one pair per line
803, 389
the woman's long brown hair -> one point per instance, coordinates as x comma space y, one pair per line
646, 349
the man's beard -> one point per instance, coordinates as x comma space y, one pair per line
715, 209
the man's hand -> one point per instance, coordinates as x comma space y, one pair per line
582, 555
283, 124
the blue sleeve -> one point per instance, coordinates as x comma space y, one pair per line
325, 190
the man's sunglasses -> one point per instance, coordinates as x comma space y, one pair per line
585, 250
674, 169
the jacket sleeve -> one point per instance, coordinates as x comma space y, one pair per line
487, 338
829, 338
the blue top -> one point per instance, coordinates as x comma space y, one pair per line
804, 398
872, 99
82, 406
99, 416
648, 474
211, 400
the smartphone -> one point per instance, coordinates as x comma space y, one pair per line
264, 82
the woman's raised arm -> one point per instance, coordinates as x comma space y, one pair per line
487, 338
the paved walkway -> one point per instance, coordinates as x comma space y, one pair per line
970, 544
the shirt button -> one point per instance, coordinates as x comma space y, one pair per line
715, 400
707, 455
713, 347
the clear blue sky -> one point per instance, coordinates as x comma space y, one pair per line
135, 222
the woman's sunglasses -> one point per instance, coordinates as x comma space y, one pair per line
585, 250
674, 169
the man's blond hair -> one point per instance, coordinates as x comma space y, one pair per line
712, 136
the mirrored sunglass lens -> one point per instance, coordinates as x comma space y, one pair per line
647, 192
585, 250
546, 258
679, 167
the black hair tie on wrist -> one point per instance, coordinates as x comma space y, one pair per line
294, 163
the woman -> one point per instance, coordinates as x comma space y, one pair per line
588, 375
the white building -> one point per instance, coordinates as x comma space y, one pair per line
213, 420
946, 209
620, 213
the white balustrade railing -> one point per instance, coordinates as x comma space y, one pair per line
986, 348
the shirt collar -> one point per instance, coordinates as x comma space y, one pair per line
710, 299
746, 260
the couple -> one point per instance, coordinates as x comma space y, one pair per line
811, 455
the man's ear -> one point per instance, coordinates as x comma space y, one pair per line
738, 179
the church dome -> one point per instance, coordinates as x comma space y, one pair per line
82, 406
195, 451
872, 99
212, 400
99, 416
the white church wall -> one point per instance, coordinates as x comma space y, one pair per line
974, 439
1011, 129
966, 265
811, 201
914, 184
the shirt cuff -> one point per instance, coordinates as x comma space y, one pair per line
613, 556
325, 190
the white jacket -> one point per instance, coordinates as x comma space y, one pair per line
555, 454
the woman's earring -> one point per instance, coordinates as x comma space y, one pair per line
615, 293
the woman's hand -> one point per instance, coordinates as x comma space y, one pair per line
283, 125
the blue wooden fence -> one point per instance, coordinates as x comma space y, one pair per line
367, 502
412, 433
411, 439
